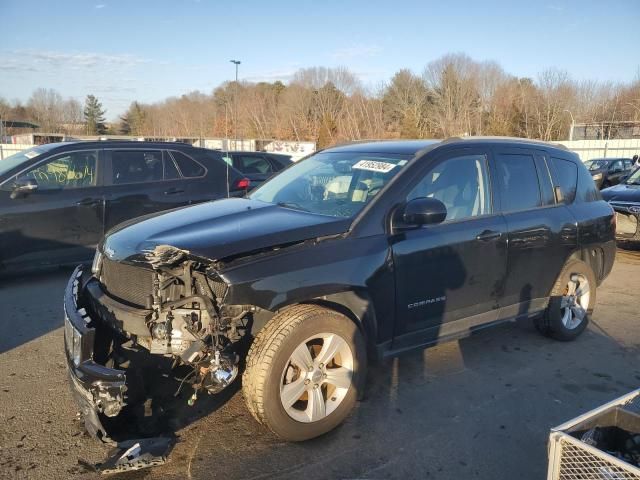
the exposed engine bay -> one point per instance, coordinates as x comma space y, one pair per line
185, 319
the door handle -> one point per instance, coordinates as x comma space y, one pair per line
487, 235
173, 191
89, 202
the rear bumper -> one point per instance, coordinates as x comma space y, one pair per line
96, 389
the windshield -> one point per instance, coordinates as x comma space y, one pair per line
634, 178
17, 159
332, 183
596, 164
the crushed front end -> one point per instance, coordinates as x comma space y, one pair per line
627, 219
162, 307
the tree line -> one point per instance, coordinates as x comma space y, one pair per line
454, 95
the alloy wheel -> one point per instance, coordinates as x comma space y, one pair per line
316, 377
575, 301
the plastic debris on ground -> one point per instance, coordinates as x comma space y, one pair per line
137, 454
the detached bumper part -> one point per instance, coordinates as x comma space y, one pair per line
137, 454
95, 388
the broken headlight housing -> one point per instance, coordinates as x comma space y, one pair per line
72, 341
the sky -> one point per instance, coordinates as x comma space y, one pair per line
147, 50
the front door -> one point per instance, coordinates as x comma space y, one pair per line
60, 221
449, 276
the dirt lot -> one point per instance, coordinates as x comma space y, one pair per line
478, 408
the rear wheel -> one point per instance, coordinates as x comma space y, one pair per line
572, 300
304, 372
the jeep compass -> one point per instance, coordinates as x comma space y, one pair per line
360, 251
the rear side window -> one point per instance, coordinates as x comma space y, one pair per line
280, 161
136, 166
587, 190
252, 164
518, 180
567, 178
188, 167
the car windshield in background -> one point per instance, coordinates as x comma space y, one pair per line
596, 164
17, 159
332, 183
634, 178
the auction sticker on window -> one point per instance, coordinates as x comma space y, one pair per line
374, 166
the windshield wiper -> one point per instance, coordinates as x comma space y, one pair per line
293, 205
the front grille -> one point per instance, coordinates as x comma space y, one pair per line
126, 283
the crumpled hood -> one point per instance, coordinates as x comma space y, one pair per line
622, 193
220, 229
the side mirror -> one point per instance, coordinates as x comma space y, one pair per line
24, 187
424, 211
624, 177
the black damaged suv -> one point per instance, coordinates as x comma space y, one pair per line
363, 250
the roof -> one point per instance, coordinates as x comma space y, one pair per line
121, 143
412, 147
386, 146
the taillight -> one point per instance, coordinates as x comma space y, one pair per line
243, 184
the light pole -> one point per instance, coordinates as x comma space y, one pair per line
235, 106
573, 123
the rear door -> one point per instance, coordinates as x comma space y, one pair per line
541, 231
62, 220
141, 181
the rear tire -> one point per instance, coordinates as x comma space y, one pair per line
571, 303
305, 370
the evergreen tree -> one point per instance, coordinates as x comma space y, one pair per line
137, 118
125, 127
94, 116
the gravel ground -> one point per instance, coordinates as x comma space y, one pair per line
478, 408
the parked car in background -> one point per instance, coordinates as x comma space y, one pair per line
58, 200
609, 171
625, 200
364, 250
258, 166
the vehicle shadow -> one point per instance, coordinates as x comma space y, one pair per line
480, 407
31, 306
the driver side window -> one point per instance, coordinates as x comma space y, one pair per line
65, 171
461, 183
616, 167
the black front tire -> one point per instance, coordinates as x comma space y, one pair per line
269, 356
